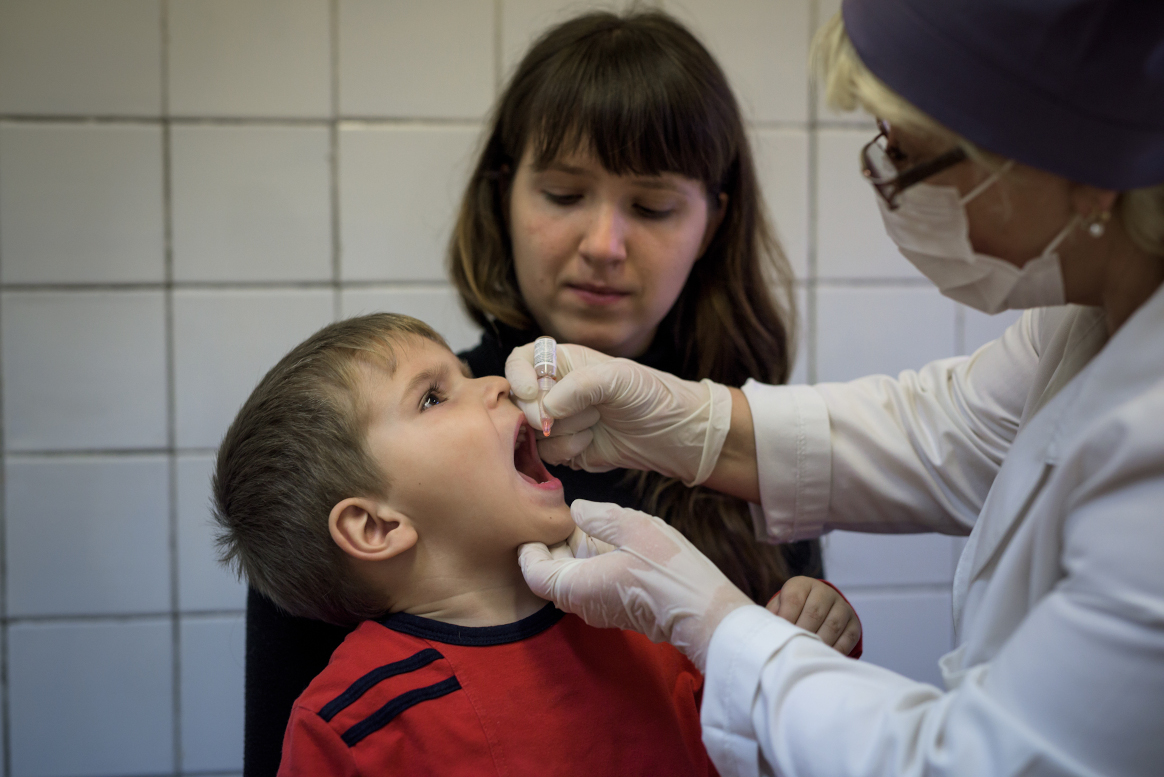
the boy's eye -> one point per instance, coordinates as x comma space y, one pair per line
431, 399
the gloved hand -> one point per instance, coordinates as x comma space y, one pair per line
611, 412
649, 578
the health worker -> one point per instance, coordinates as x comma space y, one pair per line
1019, 164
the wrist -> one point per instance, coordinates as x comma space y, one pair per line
719, 419
735, 472
692, 633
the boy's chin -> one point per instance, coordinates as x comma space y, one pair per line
557, 528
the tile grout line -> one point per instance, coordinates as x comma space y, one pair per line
157, 616
498, 19
811, 270
275, 285
959, 330
171, 389
333, 161
5, 706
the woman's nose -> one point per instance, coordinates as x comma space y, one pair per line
605, 238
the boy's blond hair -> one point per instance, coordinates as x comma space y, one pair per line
297, 448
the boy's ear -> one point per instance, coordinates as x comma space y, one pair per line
370, 530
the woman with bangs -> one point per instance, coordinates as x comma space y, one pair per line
614, 205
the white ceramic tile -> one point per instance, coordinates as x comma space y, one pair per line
93, 698
88, 536
439, 308
979, 328
251, 203
84, 370
80, 203
905, 631
853, 558
782, 167
523, 21
762, 45
213, 658
857, 118
203, 583
81, 57
863, 331
399, 191
225, 341
249, 58
402, 58
851, 239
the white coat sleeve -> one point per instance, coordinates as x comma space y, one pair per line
1075, 690
913, 453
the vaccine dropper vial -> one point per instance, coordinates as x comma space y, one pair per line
546, 368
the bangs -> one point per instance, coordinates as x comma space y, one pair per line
622, 93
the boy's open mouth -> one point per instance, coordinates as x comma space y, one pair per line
526, 460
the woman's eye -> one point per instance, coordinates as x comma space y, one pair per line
559, 198
648, 212
431, 399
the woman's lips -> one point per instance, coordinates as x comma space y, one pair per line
597, 295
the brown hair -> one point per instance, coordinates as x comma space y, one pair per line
297, 448
646, 97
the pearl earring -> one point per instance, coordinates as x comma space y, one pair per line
1098, 224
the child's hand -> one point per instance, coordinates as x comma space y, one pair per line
815, 606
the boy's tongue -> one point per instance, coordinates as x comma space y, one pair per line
526, 460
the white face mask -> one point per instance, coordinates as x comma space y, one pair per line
931, 231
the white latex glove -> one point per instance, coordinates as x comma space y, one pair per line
645, 576
611, 413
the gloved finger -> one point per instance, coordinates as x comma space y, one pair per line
540, 568
560, 450
582, 545
849, 638
564, 549
562, 426
519, 371
575, 423
592, 384
834, 623
622, 526
533, 415
816, 608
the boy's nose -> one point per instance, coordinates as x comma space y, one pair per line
605, 239
496, 389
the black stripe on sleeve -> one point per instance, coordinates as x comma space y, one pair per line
383, 716
379, 674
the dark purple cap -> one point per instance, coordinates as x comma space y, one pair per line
1074, 87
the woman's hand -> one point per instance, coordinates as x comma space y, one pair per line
612, 413
629, 570
816, 606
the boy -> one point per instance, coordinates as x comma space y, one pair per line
369, 478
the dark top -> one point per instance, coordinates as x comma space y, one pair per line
285, 653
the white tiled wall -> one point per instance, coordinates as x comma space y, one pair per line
188, 188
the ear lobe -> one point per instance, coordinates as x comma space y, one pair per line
1091, 200
369, 530
714, 219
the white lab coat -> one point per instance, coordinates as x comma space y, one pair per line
1052, 451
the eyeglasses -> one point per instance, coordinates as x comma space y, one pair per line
880, 164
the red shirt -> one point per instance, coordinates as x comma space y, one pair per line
547, 695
